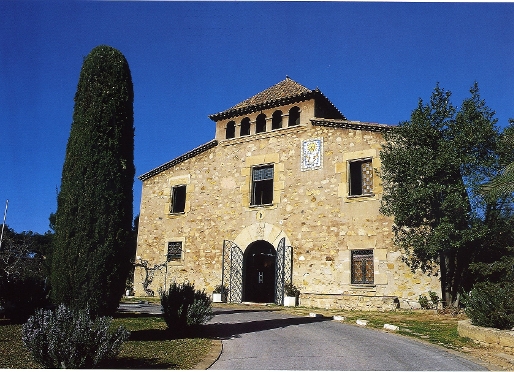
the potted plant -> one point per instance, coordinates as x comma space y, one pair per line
220, 293
291, 294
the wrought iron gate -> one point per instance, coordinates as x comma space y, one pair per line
232, 271
283, 270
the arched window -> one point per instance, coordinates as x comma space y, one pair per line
294, 116
245, 127
276, 120
260, 124
231, 130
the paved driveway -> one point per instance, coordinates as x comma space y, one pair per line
263, 340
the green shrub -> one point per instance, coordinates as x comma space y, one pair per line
491, 305
423, 302
434, 298
21, 296
71, 339
184, 307
291, 290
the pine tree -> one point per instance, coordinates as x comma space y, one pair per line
92, 250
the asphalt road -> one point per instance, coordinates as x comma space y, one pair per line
264, 340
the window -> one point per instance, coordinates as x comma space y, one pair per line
245, 127
276, 120
260, 124
361, 177
294, 116
262, 185
231, 130
174, 251
362, 267
178, 199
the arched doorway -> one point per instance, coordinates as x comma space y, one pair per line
259, 272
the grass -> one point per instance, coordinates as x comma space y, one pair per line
149, 347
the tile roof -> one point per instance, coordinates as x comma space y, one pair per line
284, 92
284, 89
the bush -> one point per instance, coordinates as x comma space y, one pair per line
491, 305
291, 290
423, 302
71, 339
184, 307
21, 296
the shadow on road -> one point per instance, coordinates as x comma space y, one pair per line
225, 331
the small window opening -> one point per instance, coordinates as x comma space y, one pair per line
178, 199
231, 130
262, 185
174, 251
361, 177
245, 127
276, 120
260, 124
294, 116
362, 267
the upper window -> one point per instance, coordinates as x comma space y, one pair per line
262, 185
294, 116
362, 267
276, 120
178, 199
260, 124
174, 251
245, 127
361, 177
231, 130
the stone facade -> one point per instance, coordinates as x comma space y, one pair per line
312, 207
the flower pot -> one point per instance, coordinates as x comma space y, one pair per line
216, 297
289, 301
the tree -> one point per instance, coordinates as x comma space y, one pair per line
92, 249
433, 167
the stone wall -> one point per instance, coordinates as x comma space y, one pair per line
311, 209
487, 336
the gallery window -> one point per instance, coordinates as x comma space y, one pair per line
178, 199
231, 130
276, 120
262, 185
294, 117
361, 177
260, 124
245, 127
174, 251
362, 267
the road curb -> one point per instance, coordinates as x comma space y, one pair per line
211, 357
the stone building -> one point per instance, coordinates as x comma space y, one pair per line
287, 191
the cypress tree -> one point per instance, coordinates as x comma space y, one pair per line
92, 249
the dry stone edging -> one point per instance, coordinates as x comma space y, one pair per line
487, 336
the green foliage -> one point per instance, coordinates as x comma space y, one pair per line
221, 289
184, 307
433, 167
70, 339
22, 296
291, 290
423, 302
491, 305
23, 273
92, 249
434, 298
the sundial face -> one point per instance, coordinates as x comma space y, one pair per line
312, 154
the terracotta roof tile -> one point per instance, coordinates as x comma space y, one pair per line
285, 89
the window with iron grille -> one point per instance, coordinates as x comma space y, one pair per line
361, 177
362, 267
174, 251
262, 185
178, 199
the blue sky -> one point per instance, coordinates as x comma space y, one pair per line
192, 59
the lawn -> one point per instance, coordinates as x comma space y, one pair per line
149, 346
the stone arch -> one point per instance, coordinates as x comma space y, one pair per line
294, 116
261, 231
245, 127
276, 121
230, 130
260, 123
